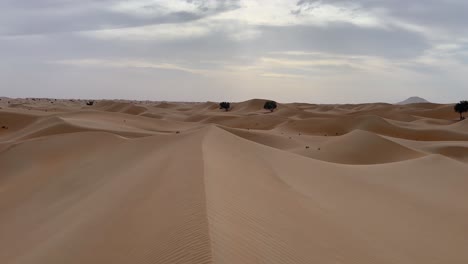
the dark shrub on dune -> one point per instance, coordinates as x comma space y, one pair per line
225, 105
270, 105
90, 103
461, 107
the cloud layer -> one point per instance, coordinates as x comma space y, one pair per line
306, 50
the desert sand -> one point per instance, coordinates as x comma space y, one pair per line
162, 182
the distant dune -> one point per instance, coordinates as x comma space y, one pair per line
164, 182
413, 100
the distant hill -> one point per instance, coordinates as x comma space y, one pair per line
413, 100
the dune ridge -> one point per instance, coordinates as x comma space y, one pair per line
144, 182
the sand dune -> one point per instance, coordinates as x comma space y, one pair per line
127, 108
360, 147
143, 182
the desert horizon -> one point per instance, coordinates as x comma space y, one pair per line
409, 100
163, 182
233, 132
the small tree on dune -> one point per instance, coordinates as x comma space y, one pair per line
270, 105
461, 107
225, 105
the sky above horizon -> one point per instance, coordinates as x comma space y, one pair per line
326, 51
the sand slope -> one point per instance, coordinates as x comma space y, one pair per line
113, 183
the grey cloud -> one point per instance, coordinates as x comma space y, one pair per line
346, 39
449, 15
221, 5
24, 17
338, 39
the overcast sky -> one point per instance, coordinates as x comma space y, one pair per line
327, 51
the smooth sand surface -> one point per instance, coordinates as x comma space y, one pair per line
160, 182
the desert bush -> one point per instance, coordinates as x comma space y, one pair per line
270, 105
225, 105
461, 107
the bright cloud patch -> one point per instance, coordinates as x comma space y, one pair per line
125, 64
159, 32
